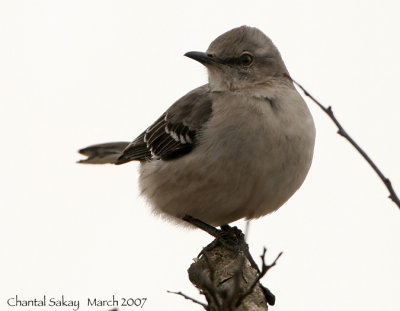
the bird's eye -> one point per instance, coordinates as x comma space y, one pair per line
246, 59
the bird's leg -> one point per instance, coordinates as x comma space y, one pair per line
230, 237
202, 225
207, 228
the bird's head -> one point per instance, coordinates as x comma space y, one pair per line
239, 58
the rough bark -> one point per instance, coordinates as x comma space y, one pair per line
228, 277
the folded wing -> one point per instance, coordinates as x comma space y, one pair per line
174, 134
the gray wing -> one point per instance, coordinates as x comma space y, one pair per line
174, 134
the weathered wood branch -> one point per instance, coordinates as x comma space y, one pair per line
226, 274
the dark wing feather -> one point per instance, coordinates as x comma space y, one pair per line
174, 133
136, 150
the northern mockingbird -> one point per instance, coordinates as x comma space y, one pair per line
237, 147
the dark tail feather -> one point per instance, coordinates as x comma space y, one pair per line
103, 153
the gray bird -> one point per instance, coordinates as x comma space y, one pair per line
237, 147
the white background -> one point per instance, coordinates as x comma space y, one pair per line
74, 73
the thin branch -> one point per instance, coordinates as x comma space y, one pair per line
189, 298
264, 270
328, 110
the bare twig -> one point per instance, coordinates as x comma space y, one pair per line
328, 110
264, 270
189, 298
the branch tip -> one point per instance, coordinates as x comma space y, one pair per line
329, 111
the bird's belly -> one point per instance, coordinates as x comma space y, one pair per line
242, 175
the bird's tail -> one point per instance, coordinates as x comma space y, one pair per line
103, 153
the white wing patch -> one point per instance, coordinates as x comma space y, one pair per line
183, 139
188, 139
174, 135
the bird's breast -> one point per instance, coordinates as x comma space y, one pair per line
263, 148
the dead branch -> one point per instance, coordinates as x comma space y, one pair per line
328, 110
264, 270
228, 278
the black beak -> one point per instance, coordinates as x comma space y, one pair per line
204, 58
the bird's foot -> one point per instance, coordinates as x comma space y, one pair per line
230, 237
